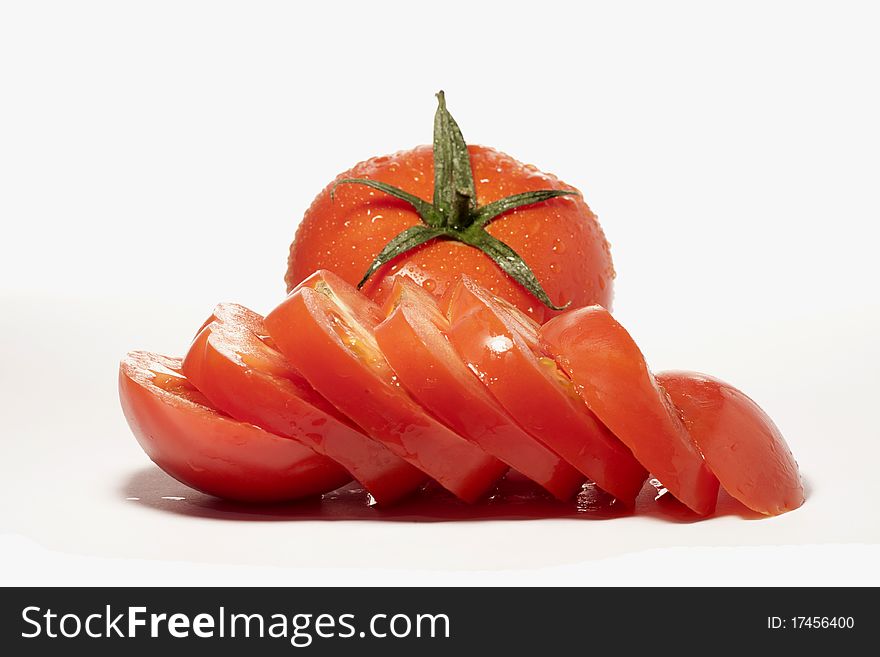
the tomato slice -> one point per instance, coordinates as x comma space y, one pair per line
534, 392
413, 339
233, 363
325, 328
186, 436
611, 375
234, 314
740, 443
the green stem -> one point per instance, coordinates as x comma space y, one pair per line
454, 213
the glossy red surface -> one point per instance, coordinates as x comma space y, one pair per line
536, 394
413, 339
185, 435
559, 239
739, 441
325, 328
610, 374
233, 363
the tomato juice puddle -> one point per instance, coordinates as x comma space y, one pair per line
515, 498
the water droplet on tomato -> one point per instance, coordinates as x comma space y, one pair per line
499, 344
476, 370
429, 284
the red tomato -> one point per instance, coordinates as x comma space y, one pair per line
204, 448
535, 393
559, 239
414, 342
325, 328
232, 364
611, 375
739, 441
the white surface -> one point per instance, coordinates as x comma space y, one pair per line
154, 160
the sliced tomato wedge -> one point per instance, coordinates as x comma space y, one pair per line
534, 392
194, 442
233, 363
413, 339
611, 375
325, 328
740, 443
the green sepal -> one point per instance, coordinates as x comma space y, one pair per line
403, 242
512, 264
487, 213
426, 210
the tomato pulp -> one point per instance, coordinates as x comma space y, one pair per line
233, 363
535, 393
413, 339
325, 328
610, 374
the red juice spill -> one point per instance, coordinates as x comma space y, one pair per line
515, 498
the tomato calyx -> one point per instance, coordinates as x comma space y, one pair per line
454, 213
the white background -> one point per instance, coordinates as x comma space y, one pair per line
155, 158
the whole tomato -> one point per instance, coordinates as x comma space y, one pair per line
435, 212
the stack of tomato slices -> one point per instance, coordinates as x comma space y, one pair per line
330, 387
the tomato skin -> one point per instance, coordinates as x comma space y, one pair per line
611, 375
534, 394
559, 239
325, 328
739, 441
233, 366
207, 450
413, 340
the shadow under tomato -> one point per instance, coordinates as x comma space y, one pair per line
515, 498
